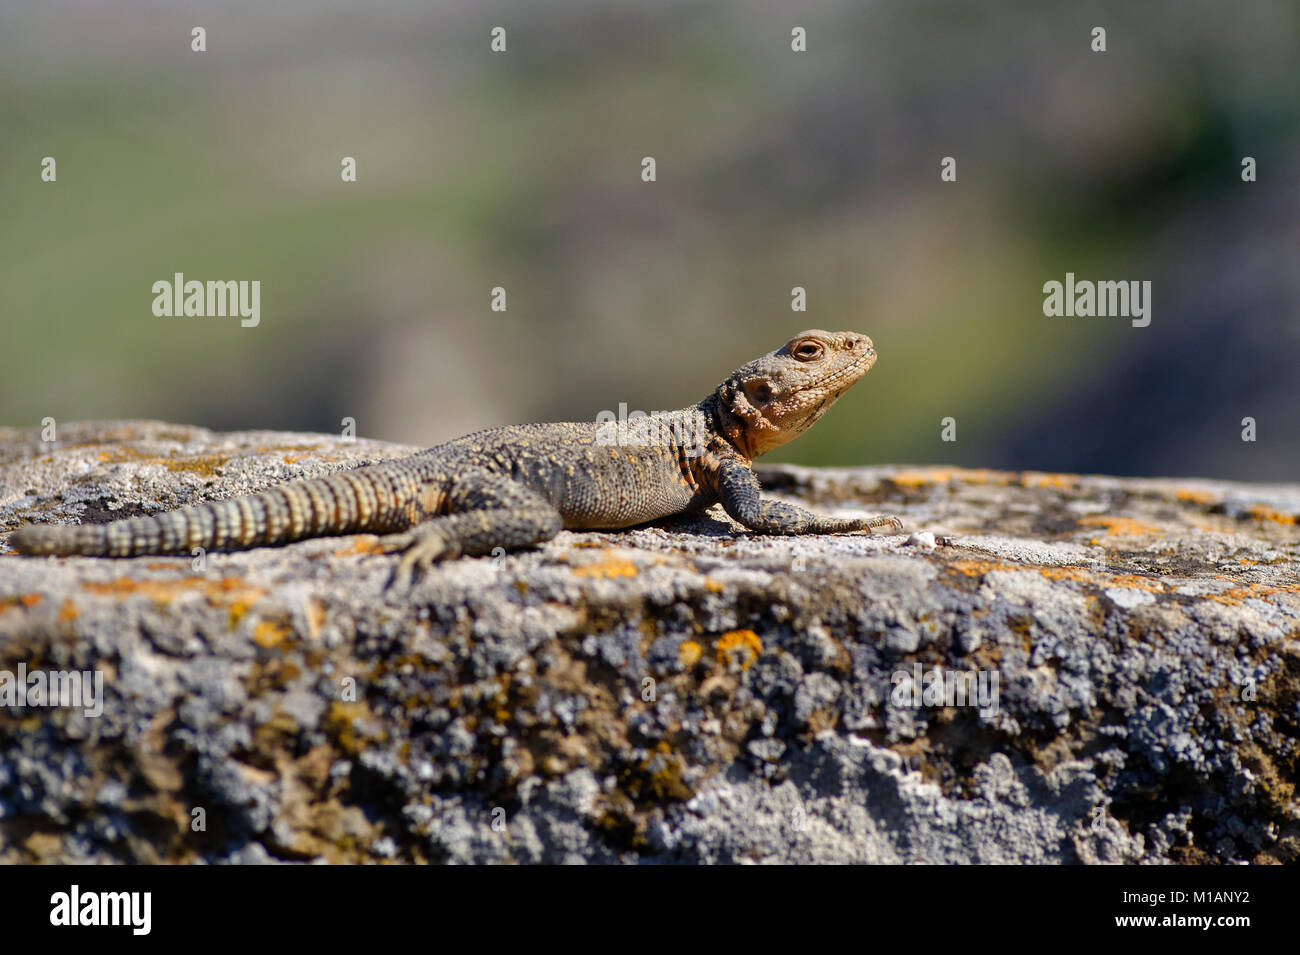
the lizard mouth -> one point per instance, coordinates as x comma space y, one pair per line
868, 358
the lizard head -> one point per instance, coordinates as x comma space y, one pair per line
778, 397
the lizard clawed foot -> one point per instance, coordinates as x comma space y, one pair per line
392, 543
421, 548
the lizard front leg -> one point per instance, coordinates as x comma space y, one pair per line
740, 494
487, 511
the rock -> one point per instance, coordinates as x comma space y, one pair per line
1087, 669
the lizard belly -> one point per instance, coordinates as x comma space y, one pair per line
625, 487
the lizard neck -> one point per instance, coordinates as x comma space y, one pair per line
726, 425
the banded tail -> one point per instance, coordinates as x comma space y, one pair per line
361, 500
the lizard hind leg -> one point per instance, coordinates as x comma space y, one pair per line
485, 511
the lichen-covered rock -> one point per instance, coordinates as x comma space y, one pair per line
1127, 654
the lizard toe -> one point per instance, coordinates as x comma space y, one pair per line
887, 520
392, 543
421, 550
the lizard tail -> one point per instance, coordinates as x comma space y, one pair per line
361, 500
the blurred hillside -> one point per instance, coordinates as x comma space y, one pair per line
775, 169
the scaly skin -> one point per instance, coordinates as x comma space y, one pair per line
516, 486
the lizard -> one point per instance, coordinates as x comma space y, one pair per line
518, 486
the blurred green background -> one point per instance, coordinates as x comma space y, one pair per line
775, 169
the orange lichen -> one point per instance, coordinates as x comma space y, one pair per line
923, 476
207, 465
1067, 573
349, 724
1236, 595
742, 645
978, 568
1195, 497
22, 600
1119, 526
689, 653
232, 587
1268, 514
267, 634
1063, 482
362, 544
67, 611
1132, 582
1083, 575
237, 611
610, 567
920, 478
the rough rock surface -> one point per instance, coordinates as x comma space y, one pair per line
679, 693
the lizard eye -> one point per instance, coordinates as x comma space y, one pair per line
758, 392
808, 350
